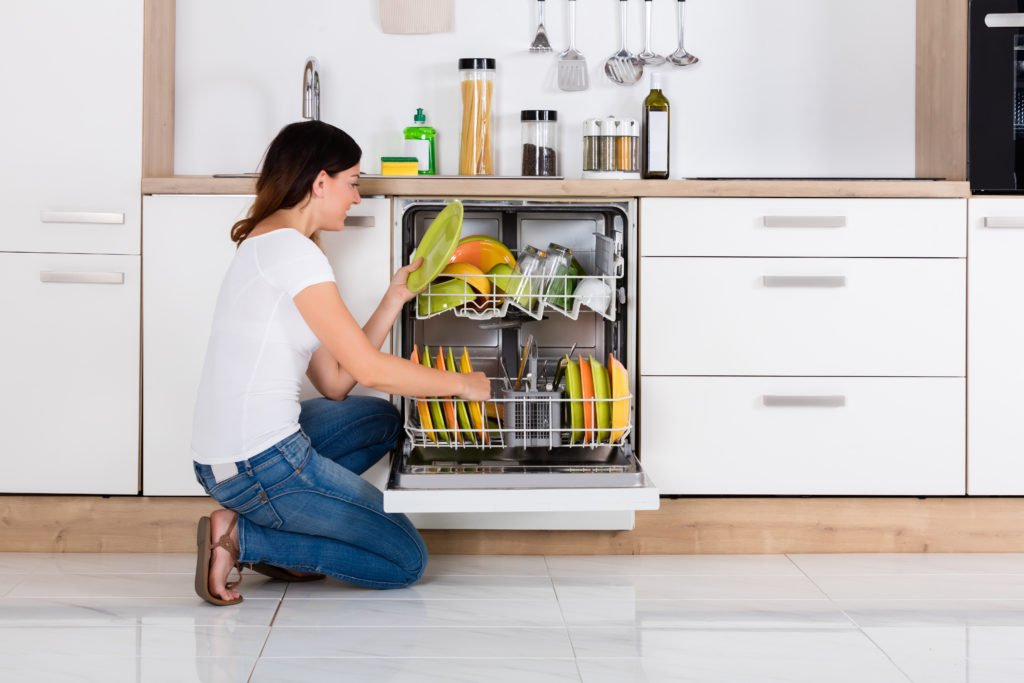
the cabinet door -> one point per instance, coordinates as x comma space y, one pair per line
995, 348
69, 363
72, 135
843, 436
775, 316
188, 250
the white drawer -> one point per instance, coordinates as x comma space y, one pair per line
887, 317
721, 435
803, 227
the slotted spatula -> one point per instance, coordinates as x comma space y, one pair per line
572, 65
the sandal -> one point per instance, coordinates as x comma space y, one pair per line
275, 572
204, 558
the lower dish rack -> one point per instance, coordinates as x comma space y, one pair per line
528, 419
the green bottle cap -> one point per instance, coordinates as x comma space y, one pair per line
420, 116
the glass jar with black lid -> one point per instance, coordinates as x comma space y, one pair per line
540, 142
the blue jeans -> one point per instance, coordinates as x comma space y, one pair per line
302, 505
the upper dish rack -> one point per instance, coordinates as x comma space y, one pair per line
494, 295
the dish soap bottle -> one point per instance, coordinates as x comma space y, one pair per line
420, 142
655, 140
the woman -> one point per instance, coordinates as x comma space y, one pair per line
288, 472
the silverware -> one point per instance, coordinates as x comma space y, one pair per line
648, 56
572, 65
540, 41
681, 57
508, 380
623, 67
522, 362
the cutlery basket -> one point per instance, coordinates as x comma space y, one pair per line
532, 418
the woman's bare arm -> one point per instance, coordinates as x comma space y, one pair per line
330, 320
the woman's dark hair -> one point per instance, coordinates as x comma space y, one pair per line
292, 162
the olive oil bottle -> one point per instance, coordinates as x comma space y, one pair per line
654, 141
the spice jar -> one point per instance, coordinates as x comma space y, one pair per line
611, 148
591, 145
540, 142
476, 151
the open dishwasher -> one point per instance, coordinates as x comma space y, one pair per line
558, 343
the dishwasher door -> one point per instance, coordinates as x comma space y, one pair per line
522, 452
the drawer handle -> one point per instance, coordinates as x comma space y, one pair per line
82, 217
779, 401
813, 281
1004, 222
1004, 20
360, 222
805, 221
93, 278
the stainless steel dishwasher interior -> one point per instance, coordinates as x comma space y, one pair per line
517, 224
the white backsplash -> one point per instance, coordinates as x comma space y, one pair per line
785, 87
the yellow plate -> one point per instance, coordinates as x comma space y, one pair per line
602, 406
421, 406
620, 400
460, 408
437, 419
574, 388
476, 409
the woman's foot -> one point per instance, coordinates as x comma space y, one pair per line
222, 562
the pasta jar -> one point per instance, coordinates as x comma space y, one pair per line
540, 142
476, 151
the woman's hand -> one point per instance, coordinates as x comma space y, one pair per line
398, 291
476, 387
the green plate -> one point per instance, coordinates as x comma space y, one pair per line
437, 246
436, 416
602, 392
465, 425
574, 387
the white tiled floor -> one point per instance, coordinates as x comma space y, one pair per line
710, 618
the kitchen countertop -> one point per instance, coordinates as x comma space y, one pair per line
521, 187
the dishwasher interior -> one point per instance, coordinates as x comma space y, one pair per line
547, 425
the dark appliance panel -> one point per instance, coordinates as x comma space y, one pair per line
995, 116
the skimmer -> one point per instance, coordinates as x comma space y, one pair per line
623, 67
540, 41
572, 65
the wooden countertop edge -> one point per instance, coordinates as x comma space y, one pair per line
516, 187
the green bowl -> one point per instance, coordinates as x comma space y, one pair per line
443, 295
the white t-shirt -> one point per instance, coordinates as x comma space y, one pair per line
259, 348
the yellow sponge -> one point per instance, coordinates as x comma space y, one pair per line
399, 166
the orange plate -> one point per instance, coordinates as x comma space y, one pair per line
421, 406
589, 432
448, 405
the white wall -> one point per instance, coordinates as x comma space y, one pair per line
785, 87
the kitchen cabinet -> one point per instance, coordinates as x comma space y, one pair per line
187, 251
72, 134
839, 436
69, 359
995, 404
803, 346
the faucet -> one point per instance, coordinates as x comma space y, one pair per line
311, 89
